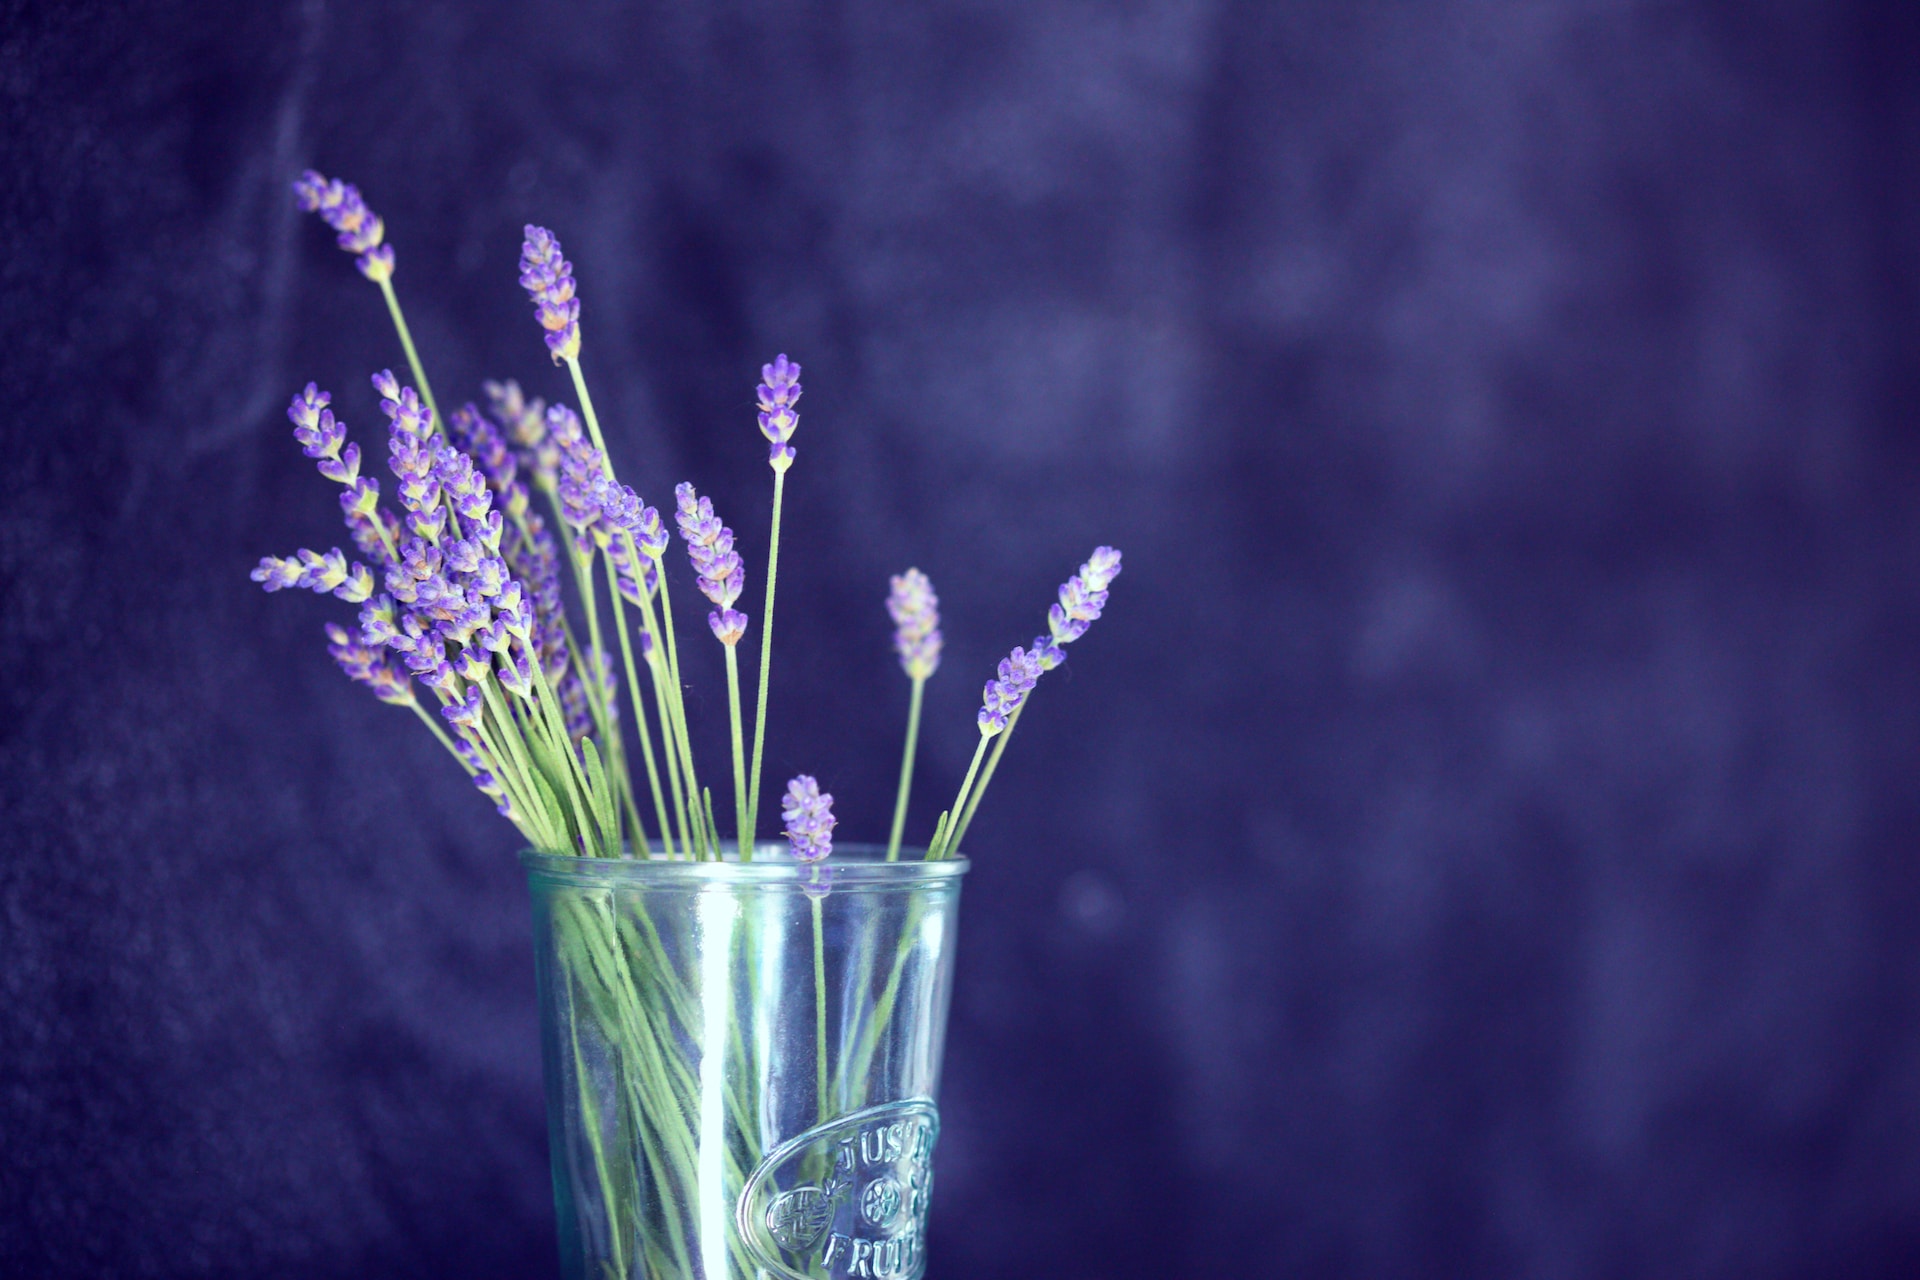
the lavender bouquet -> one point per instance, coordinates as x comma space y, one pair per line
698, 1053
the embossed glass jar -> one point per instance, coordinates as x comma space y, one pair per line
742, 1061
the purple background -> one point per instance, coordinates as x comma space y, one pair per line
1479, 840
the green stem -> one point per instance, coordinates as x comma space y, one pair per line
441, 734
406, 342
820, 1008
516, 776
586, 411
606, 717
639, 709
766, 660
993, 762
664, 704
945, 842
559, 741
680, 712
743, 836
861, 1062
906, 769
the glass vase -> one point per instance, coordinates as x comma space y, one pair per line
742, 1060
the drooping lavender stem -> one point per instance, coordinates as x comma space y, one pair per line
1002, 698
945, 841
1082, 598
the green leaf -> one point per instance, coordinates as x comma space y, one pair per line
558, 815
600, 796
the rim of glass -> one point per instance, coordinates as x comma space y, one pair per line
851, 863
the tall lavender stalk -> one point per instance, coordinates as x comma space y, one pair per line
915, 611
779, 391
547, 277
361, 232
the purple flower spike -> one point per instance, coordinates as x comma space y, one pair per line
548, 279
1083, 596
1048, 654
721, 575
480, 439
808, 813
276, 574
364, 664
316, 572
779, 392
322, 438
915, 610
340, 207
524, 421
1018, 672
466, 712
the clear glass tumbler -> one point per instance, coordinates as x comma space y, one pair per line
742, 1060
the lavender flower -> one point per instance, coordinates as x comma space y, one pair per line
808, 813
915, 610
1083, 596
526, 548
524, 421
580, 466
317, 573
481, 440
548, 279
721, 575
365, 664
626, 524
340, 207
1003, 695
779, 391
466, 712
322, 438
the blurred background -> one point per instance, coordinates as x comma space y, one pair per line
1478, 840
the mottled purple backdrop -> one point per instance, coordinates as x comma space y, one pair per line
1479, 840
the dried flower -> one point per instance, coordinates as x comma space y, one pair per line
779, 392
717, 565
1003, 695
808, 813
548, 279
340, 207
915, 610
